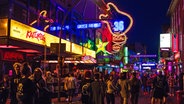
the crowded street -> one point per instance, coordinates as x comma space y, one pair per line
91, 52
143, 99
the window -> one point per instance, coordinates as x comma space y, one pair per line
4, 10
33, 4
19, 13
45, 5
60, 15
53, 12
23, 2
32, 17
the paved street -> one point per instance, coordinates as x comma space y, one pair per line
143, 99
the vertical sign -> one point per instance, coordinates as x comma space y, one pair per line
175, 42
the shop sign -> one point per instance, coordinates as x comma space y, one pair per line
175, 42
118, 28
37, 35
12, 56
27, 33
76, 49
89, 52
88, 58
3, 27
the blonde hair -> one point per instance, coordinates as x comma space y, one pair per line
16, 64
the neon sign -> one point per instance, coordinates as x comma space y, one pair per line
37, 35
118, 29
43, 14
90, 25
12, 56
118, 26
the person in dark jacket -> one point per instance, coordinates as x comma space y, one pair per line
4, 89
14, 82
160, 87
85, 88
135, 86
97, 90
26, 87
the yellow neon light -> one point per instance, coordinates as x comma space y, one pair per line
43, 13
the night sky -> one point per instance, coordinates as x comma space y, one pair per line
149, 16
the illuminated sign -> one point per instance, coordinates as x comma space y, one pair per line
88, 58
57, 28
35, 34
175, 42
148, 66
125, 55
27, 33
118, 29
3, 27
118, 26
87, 51
101, 47
76, 49
43, 14
143, 55
165, 40
13, 56
177, 55
90, 25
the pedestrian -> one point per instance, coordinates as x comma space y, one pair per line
171, 81
71, 86
144, 83
86, 88
125, 87
4, 89
26, 88
97, 90
16, 76
110, 90
49, 81
43, 93
159, 88
135, 86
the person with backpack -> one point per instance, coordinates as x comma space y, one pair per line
135, 86
85, 88
160, 87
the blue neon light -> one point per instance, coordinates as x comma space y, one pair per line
82, 26
90, 25
57, 28
119, 26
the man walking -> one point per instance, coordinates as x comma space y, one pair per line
135, 85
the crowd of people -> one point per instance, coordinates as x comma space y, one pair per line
32, 86
26, 86
96, 86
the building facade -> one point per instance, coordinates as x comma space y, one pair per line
176, 13
26, 30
